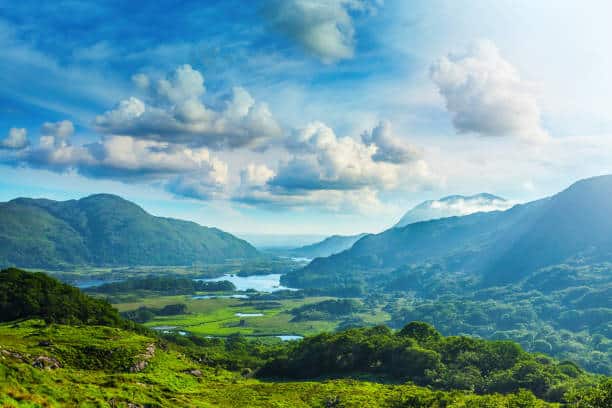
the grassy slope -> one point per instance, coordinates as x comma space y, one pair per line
163, 382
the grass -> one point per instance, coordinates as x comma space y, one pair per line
216, 317
164, 381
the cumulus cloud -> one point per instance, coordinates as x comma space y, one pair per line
17, 138
323, 161
175, 113
184, 170
323, 27
207, 183
333, 172
389, 148
256, 176
486, 94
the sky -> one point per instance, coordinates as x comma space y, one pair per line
302, 117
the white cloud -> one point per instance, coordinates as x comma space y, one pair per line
176, 114
365, 201
333, 172
486, 94
184, 84
256, 176
323, 27
207, 183
390, 148
323, 161
183, 170
452, 206
17, 138
61, 130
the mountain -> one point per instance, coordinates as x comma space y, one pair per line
451, 206
329, 246
494, 247
104, 229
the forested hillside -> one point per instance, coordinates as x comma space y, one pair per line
539, 274
495, 248
104, 230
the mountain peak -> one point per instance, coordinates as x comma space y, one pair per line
453, 205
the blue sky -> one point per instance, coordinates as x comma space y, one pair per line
305, 117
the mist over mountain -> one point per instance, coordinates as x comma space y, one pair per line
451, 206
105, 229
495, 247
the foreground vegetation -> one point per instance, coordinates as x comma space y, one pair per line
97, 362
101, 366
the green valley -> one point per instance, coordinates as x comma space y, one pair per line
118, 364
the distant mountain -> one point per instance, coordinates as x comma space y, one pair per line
104, 229
495, 247
451, 206
329, 246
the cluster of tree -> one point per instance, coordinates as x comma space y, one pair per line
26, 295
419, 353
166, 285
564, 311
144, 314
326, 310
235, 352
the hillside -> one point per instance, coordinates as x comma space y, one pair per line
329, 246
452, 206
106, 230
25, 295
61, 366
495, 247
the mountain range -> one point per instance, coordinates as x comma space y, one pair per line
327, 247
495, 247
106, 230
455, 205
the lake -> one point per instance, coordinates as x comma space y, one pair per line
260, 283
290, 337
89, 283
220, 296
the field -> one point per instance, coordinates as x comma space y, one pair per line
217, 317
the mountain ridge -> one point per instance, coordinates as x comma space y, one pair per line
331, 245
106, 230
497, 247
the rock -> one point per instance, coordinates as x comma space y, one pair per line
139, 366
12, 354
195, 372
47, 363
149, 351
45, 343
147, 355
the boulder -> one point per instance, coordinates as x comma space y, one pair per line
46, 363
195, 372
